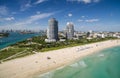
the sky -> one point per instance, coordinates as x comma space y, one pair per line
96, 15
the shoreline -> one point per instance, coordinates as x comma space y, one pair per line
29, 66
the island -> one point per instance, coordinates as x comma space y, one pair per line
4, 35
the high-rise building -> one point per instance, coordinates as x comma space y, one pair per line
52, 31
69, 30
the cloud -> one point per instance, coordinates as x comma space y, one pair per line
96, 0
38, 12
25, 24
39, 16
70, 15
34, 18
25, 6
39, 1
79, 20
28, 4
6, 19
3, 10
14, 13
9, 18
92, 20
83, 16
88, 20
84, 1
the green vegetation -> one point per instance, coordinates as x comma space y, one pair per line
37, 44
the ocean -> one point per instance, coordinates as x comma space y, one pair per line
103, 64
13, 38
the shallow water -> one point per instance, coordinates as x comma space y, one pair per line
13, 38
104, 64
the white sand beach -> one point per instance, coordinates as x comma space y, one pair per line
27, 67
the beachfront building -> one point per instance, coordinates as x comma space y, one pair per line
52, 31
69, 30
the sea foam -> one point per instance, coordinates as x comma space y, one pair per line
74, 65
46, 75
101, 55
82, 63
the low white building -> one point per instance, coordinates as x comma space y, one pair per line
50, 40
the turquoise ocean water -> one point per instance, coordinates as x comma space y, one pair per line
103, 64
13, 38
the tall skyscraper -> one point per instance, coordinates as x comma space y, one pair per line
70, 30
52, 31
